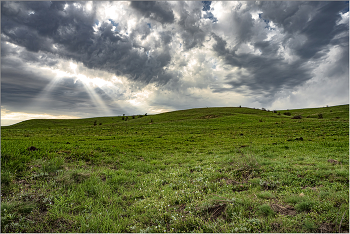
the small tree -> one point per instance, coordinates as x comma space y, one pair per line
95, 122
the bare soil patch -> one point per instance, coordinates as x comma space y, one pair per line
287, 210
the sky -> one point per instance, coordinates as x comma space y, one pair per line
87, 59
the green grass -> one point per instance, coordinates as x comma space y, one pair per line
199, 170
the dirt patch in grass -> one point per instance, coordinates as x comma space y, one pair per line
209, 116
32, 148
227, 181
287, 210
333, 161
103, 177
275, 226
326, 228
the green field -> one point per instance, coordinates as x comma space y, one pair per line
226, 169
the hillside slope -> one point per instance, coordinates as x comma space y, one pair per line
224, 169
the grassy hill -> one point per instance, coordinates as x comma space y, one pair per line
219, 169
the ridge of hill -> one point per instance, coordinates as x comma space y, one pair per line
341, 111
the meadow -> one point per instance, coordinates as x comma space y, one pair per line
223, 169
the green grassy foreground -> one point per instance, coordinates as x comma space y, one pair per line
199, 170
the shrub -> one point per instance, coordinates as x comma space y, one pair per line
296, 117
95, 122
287, 113
320, 116
263, 109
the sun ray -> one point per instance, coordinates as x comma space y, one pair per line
98, 102
42, 97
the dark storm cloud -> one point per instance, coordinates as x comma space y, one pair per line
318, 26
266, 48
159, 11
322, 29
191, 34
38, 26
290, 15
26, 57
267, 72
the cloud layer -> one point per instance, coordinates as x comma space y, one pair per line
109, 58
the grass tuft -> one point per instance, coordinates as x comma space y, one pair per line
266, 210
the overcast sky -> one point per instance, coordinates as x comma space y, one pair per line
87, 59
